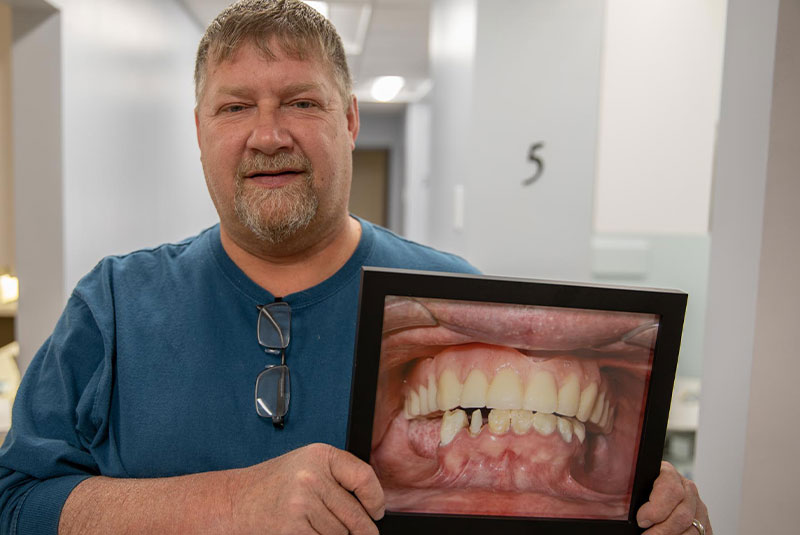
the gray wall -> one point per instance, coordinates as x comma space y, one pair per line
386, 130
503, 89
416, 186
6, 169
38, 174
662, 71
111, 165
771, 471
746, 452
132, 174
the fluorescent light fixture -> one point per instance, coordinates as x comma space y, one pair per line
386, 88
352, 22
322, 7
9, 289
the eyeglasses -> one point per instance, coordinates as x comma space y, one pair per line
272, 384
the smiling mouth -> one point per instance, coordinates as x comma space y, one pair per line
509, 409
273, 170
276, 172
274, 178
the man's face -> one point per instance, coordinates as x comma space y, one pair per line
275, 140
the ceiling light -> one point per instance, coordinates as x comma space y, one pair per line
386, 88
322, 7
352, 22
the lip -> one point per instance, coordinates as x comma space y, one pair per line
273, 178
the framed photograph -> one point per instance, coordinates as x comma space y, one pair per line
494, 405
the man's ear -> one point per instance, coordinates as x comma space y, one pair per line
353, 121
197, 125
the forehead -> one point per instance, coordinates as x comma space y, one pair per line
249, 64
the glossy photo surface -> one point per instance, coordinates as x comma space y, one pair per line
487, 403
504, 409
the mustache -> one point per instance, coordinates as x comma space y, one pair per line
264, 162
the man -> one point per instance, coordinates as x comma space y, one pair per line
137, 415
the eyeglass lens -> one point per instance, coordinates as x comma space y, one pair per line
273, 392
274, 326
273, 383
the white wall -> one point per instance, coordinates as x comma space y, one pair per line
131, 172
416, 186
528, 73
453, 28
659, 108
735, 301
132, 168
771, 470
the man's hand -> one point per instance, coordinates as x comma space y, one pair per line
314, 489
673, 504
317, 489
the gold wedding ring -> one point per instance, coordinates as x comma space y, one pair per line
700, 528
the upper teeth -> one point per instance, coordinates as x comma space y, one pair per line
541, 394
474, 392
586, 404
507, 391
569, 396
517, 405
448, 393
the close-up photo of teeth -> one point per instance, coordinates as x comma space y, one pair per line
511, 410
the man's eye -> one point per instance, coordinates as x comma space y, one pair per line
233, 108
303, 104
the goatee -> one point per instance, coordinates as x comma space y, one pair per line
274, 215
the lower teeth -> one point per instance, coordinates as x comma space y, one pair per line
500, 421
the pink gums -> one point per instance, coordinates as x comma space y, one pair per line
505, 474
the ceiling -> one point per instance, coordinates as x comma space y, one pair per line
395, 42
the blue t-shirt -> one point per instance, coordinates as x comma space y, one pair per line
151, 372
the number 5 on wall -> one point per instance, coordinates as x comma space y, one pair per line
532, 157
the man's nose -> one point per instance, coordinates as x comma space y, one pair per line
270, 133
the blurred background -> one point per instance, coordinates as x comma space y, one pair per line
637, 142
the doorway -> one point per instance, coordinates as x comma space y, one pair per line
370, 187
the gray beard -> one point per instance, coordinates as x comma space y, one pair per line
275, 215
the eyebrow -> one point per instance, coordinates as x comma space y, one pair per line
233, 91
295, 89
289, 90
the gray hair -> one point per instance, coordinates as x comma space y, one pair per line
300, 31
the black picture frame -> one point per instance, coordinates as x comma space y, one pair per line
668, 305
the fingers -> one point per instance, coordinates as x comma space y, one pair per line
348, 512
324, 481
323, 521
674, 504
702, 515
324, 505
667, 493
357, 476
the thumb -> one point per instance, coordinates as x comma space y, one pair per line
358, 477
